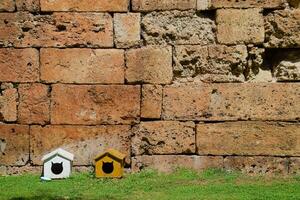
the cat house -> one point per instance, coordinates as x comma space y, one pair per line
110, 164
57, 164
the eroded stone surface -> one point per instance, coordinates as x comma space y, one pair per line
151, 64
178, 27
28, 5
219, 102
150, 5
60, 29
34, 104
294, 167
101, 104
85, 142
19, 65
14, 144
215, 63
163, 137
8, 103
7, 5
257, 164
288, 71
169, 163
151, 101
82, 65
248, 138
247, 3
235, 26
283, 29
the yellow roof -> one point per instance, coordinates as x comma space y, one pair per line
114, 153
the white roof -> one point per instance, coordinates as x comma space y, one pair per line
60, 152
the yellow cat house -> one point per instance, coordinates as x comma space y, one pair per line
110, 164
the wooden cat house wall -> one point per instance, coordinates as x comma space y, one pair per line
57, 164
110, 164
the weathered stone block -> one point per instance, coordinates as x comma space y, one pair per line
294, 3
7, 5
150, 5
163, 137
248, 138
283, 29
151, 64
257, 164
203, 4
127, 29
59, 29
14, 144
19, 65
236, 26
294, 167
215, 63
8, 103
288, 71
178, 27
85, 142
217, 102
247, 4
28, 5
34, 104
82, 65
169, 163
85, 5
106, 104
151, 101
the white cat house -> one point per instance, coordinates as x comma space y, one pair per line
57, 164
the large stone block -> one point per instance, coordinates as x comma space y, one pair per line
101, 104
169, 163
151, 64
214, 63
178, 27
85, 5
235, 26
28, 5
151, 101
7, 5
85, 142
248, 138
82, 65
283, 29
14, 144
150, 5
19, 65
60, 29
8, 103
163, 137
127, 29
34, 103
226, 102
257, 164
247, 4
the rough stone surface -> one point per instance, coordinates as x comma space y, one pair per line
151, 101
150, 5
82, 65
127, 29
215, 63
176, 27
169, 163
283, 29
294, 3
203, 4
85, 5
85, 142
248, 138
164, 137
236, 26
8, 103
28, 5
257, 165
217, 102
7, 5
294, 167
106, 104
34, 104
19, 65
288, 71
27, 169
60, 29
14, 144
151, 64
247, 3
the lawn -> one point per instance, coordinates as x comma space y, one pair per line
183, 184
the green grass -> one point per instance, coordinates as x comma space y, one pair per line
183, 184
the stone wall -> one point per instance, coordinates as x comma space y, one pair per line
171, 83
